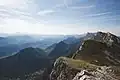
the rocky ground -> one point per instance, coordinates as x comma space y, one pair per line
69, 69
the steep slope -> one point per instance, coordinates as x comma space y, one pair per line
24, 62
104, 48
50, 48
65, 47
60, 50
98, 53
98, 58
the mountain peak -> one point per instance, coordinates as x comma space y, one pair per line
98, 53
107, 38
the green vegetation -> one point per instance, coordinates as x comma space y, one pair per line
78, 64
93, 52
90, 43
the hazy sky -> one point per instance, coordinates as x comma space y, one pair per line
59, 16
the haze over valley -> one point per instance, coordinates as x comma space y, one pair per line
60, 40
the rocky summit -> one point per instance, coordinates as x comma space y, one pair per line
98, 58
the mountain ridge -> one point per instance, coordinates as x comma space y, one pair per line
24, 62
96, 59
91, 57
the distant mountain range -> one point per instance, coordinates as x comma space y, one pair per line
94, 56
12, 44
29, 59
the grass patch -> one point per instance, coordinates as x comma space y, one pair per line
79, 64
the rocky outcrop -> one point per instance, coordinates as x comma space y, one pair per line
62, 71
66, 69
97, 58
105, 73
108, 38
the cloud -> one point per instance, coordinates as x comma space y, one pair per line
109, 18
96, 15
19, 4
13, 3
39, 28
45, 12
82, 7
99, 14
27, 28
17, 9
22, 15
65, 3
22, 9
12, 13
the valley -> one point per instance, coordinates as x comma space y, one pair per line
69, 59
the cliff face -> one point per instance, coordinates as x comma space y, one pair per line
98, 58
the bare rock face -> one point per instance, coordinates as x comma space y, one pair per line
65, 69
97, 59
62, 71
107, 38
82, 75
102, 74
